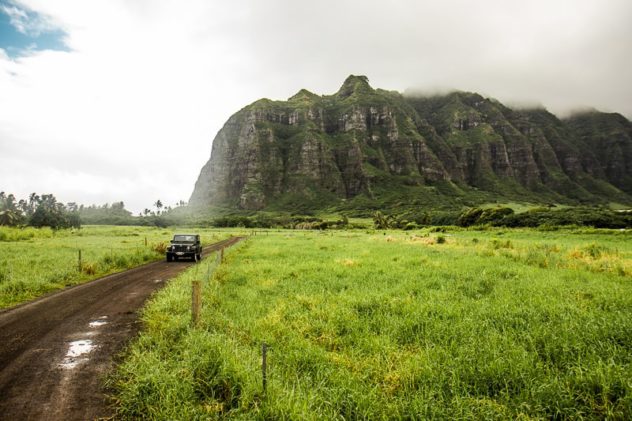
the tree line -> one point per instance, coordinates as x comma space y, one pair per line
38, 211
46, 210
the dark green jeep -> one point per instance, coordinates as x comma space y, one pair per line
184, 245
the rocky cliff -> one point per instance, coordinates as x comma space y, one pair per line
373, 148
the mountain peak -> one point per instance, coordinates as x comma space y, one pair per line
354, 84
303, 94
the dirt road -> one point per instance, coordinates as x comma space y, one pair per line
55, 351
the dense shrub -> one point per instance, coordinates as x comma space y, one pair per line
594, 217
443, 218
494, 215
233, 221
283, 221
411, 226
381, 221
545, 218
469, 217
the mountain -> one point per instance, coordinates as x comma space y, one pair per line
365, 148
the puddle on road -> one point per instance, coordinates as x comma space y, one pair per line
76, 354
157, 281
98, 322
78, 350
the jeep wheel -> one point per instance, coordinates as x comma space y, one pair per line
169, 258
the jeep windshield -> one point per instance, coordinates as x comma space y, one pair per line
183, 239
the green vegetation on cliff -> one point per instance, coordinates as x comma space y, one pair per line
363, 148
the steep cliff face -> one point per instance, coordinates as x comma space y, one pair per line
608, 137
365, 143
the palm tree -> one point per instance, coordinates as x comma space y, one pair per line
158, 206
9, 213
34, 200
23, 205
9, 217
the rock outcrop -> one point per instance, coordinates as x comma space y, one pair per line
380, 146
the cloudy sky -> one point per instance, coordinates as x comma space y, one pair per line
110, 100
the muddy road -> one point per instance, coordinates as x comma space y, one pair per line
56, 351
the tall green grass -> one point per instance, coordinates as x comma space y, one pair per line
37, 261
393, 326
18, 234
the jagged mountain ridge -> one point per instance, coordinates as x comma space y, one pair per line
380, 148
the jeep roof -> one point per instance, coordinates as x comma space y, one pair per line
185, 238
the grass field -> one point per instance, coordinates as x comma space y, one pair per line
494, 324
36, 261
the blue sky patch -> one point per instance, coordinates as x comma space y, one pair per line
23, 31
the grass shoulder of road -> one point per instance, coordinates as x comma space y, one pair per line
34, 261
496, 324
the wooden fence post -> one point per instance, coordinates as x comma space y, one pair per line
221, 255
79, 262
196, 302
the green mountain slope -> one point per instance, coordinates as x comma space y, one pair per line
365, 148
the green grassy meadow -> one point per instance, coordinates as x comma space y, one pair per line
37, 261
462, 324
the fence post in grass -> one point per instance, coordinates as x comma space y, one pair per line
221, 255
264, 365
79, 261
145, 241
196, 302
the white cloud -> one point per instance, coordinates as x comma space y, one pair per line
130, 112
25, 22
17, 17
128, 115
